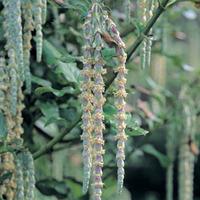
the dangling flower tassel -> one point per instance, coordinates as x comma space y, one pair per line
38, 27
120, 100
142, 4
27, 36
149, 39
87, 104
98, 117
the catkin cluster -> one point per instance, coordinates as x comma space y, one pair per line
97, 26
25, 175
20, 19
145, 12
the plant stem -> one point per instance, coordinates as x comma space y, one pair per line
55, 140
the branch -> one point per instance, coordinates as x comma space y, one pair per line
133, 48
55, 140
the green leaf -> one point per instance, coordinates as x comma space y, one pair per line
133, 128
51, 186
50, 53
109, 110
108, 53
81, 6
3, 128
58, 93
69, 70
163, 159
52, 56
40, 81
50, 112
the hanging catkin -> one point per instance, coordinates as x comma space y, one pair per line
186, 156
13, 81
99, 127
27, 36
170, 148
44, 11
13, 31
149, 39
100, 31
120, 96
142, 14
3, 83
38, 6
8, 187
128, 10
29, 175
19, 179
87, 103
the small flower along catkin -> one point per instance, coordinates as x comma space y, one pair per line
98, 25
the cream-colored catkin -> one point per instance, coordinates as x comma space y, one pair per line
44, 11
127, 10
19, 179
142, 14
27, 37
3, 83
38, 5
8, 188
29, 175
99, 100
13, 32
149, 39
13, 81
87, 103
186, 172
99, 127
186, 156
170, 148
120, 103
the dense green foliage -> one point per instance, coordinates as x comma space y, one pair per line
46, 52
